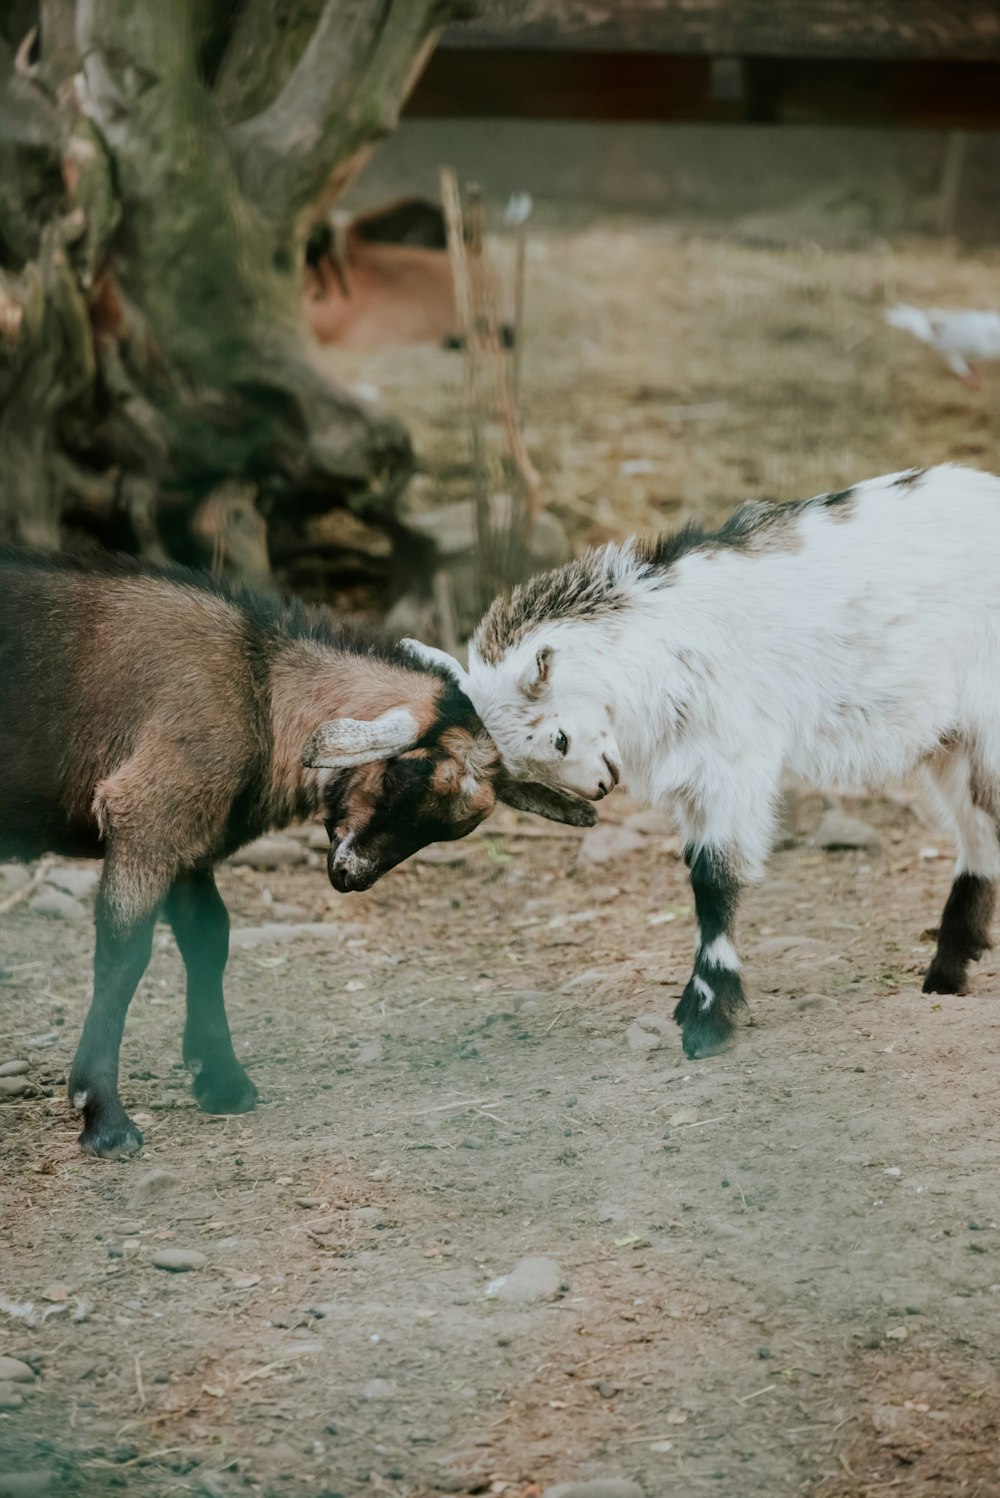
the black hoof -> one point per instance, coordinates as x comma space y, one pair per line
706, 1034
224, 1091
687, 1005
113, 1138
941, 979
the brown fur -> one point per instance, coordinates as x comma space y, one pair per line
381, 296
310, 684
159, 723
910, 480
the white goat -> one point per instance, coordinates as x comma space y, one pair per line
850, 637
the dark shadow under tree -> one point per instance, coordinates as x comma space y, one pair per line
160, 168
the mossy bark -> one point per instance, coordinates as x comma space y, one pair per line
160, 167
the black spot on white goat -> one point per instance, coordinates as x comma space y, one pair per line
159, 722
850, 637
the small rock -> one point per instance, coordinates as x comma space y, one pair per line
179, 1260
245, 938
641, 1039
610, 1212
10, 1399
378, 1390
815, 1001
73, 879
154, 1184
56, 1293
271, 853
651, 823
683, 1116
13, 1086
606, 842
600, 1487
661, 1025
25, 1484
284, 910
56, 906
838, 831
13, 1068
533, 1278
457, 1482
13, 876
440, 853
13, 1371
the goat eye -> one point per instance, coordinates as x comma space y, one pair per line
562, 742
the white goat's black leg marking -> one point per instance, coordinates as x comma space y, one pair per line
200, 923
715, 989
964, 934
120, 959
968, 797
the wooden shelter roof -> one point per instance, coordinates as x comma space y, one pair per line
926, 30
898, 62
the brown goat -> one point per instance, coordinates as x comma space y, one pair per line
385, 278
160, 722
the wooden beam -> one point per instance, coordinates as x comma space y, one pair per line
885, 30
630, 86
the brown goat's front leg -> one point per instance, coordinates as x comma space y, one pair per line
200, 923
120, 959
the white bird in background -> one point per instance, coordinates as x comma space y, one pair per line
959, 335
519, 209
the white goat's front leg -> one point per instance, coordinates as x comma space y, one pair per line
714, 991
720, 859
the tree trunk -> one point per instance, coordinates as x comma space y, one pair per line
160, 167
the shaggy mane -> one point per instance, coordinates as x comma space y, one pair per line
602, 581
592, 585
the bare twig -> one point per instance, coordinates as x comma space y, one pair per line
746, 1398
28, 889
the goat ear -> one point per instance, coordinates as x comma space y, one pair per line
429, 655
535, 678
558, 806
352, 741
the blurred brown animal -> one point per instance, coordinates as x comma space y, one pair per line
384, 279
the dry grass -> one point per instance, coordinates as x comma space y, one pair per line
731, 371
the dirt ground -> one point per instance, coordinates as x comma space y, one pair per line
667, 376
777, 1267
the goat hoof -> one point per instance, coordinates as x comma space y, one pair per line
706, 1035
939, 979
113, 1138
224, 1091
687, 1006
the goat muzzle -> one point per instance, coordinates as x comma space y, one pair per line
348, 871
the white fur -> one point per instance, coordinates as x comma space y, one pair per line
720, 953
849, 648
703, 991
